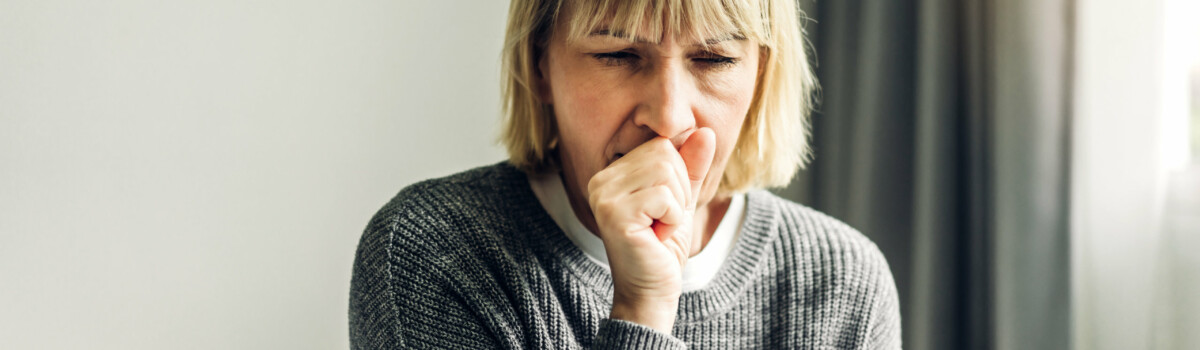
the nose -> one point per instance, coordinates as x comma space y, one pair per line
666, 104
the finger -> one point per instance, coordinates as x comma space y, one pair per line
665, 214
643, 176
665, 151
697, 153
664, 173
653, 163
681, 177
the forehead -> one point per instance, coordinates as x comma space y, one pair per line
652, 20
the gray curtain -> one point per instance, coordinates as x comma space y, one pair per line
942, 135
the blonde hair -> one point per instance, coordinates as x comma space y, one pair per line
773, 143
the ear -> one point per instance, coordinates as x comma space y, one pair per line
541, 80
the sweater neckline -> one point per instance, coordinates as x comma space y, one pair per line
734, 276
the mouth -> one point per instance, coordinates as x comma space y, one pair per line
614, 158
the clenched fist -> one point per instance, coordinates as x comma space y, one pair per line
644, 204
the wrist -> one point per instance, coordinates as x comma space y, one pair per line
657, 314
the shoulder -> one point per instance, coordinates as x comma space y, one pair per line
435, 233
405, 268
843, 269
474, 187
435, 211
829, 256
453, 201
822, 237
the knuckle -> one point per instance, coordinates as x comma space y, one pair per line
664, 192
593, 186
594, 199
662, 168
598, 184
605, 206
600, 177
599, 200
661, 144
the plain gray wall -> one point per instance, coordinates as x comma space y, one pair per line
196, 174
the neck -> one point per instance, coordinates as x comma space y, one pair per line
708, 215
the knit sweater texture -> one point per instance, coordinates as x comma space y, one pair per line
472, 261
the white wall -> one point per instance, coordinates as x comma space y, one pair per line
196, 174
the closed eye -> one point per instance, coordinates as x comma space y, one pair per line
707, 60
617, 58
715, 61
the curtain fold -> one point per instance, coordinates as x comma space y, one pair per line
941, 135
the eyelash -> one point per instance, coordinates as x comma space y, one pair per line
619, 58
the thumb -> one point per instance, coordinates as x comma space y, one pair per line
697, 153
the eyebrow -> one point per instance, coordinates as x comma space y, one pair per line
623, 35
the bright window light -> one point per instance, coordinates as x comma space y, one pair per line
1181, 79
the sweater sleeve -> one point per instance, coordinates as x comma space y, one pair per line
884, 326
399, 300
621, 334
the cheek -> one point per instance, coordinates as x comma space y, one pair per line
730, 91
582, 110
588, 113
728, 99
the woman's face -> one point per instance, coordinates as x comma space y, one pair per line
611, 95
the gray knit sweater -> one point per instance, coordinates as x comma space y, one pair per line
472, 261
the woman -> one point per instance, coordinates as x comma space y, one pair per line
628, 214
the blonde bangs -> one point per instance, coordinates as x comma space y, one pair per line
649, 19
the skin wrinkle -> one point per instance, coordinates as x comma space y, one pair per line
602, 110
